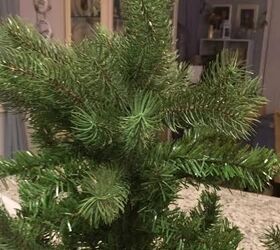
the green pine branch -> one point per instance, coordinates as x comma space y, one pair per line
28, 165
18, 35
102, 56
92, 130
201, 229
41, 64
139, 127
214, 159
217, 160
23, 164
227, 100
148, 41
15, 235
106, 196
271, 239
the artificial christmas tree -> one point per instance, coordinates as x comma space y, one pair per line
102, 178
271, 239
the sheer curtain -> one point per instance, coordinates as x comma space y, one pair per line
9, 7
15, 138
14, 131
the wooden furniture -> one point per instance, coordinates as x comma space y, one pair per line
244, 48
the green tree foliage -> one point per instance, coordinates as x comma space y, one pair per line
202, 229
102, 177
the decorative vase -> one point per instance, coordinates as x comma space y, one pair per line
211, 32
226, 29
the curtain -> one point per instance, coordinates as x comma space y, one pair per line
9, 7
189, 17
15, 137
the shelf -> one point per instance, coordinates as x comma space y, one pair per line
212, 47
94, 17
225, 40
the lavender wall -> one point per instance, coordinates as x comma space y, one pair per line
56, 16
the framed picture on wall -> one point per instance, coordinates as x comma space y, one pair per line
247, 16
221, 13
